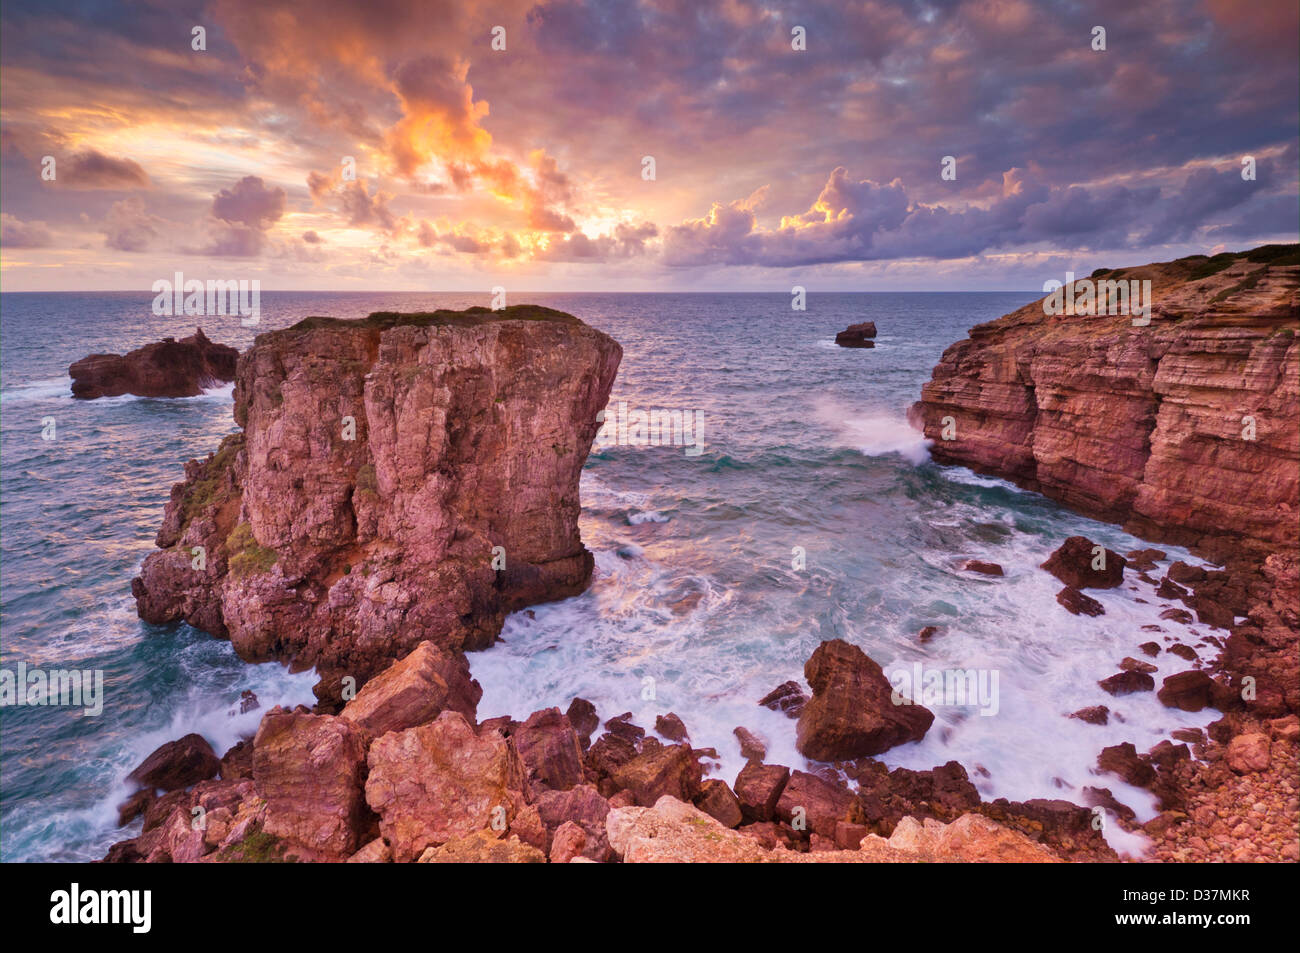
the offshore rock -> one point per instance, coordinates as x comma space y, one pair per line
167, 368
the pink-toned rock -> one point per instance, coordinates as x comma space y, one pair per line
752, 746
816, 804
441, 780
661, 770
568, 843
758, 788
1249, 753
177, 764
852, 713
1079, 604
671, 727
483, 847
416, 689
981, 567
310, 770
549, 749
720, 803
1141, 424
1082, 564
583, 806
383, 466
375, 852
1190, 691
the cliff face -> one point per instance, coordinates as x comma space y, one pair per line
380, 463
1185, 430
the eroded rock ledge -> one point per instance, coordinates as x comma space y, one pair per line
1184, 430
381, 465
167, 368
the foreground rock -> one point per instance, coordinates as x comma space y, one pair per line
440, 781
398, 479
852, 713
310, 770
857, 335
168, 368
971, 838
177, 764
415, 690
674, 832
1143, 425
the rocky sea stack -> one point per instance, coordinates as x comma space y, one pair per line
168, 368
401, 478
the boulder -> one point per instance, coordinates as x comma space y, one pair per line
417, 689
671, 727
482, 847
1073, 561
549, 749
752, 747
852, 713
582, 715
981, 567
787, 697
1190, 691
310, 770
970, 839
720, 803
1249, 753
1093, 715
441, 780
758, 789
813, 804
1079, 604
660, 770
1126, 683
177, 764
168, 368
1123, 760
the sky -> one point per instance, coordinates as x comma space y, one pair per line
639, 145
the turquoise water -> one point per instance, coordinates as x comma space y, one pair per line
695, 606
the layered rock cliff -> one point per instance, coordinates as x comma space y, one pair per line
397, 479
1186, 429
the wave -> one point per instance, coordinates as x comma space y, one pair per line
872, 434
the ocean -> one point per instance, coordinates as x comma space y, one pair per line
812, 513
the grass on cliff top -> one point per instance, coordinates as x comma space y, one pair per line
383, 320
1203, 266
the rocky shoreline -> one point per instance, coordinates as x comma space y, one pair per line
403, 482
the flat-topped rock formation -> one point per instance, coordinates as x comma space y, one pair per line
397, 479
1186, 429
857, 335
167, 368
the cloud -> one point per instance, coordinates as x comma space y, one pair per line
15, 233
94, 170
250, 203
855, 221
129, 226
